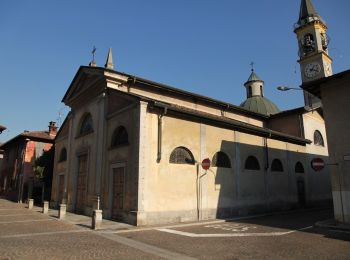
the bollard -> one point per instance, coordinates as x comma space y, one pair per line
46, 207
30, 204
62, 211
96, 219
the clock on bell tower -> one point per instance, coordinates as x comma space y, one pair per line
313, 42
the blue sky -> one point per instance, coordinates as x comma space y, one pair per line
202, 46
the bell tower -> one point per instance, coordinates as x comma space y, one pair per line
313, 42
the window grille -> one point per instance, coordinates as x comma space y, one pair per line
252, 163
318, 139
299, 168
63, 155
86, 125
276, 166
181, 155
220, 159
120, 137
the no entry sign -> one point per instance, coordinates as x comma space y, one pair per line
317, 164
206, 164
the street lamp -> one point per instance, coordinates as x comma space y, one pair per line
307, 96
285, 88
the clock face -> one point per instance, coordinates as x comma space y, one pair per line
328, 69
312, 69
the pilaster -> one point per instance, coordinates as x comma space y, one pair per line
142, 162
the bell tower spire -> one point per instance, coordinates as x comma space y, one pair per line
313, 42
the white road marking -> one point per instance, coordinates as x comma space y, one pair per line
145, 247
188, 234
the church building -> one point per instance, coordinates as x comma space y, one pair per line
138, 145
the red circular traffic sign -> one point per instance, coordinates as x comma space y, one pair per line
317, 164
206, 164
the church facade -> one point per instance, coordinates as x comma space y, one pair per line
138, 146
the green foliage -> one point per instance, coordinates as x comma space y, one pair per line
39, 171
43, 166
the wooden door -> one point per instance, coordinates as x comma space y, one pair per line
81, 183
118, 192
60, 188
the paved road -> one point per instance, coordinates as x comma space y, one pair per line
29, 234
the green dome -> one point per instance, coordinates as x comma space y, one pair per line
260, 105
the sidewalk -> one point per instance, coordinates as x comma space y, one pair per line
85, 221
331, 223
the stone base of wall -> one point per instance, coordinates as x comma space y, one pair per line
155, 218
168, 217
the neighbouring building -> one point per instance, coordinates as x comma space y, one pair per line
139, 144
2, 128
334, 92
335, 95
17, 176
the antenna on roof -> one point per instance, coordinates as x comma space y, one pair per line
59, 117
93, 62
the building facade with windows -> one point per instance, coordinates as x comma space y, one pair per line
17, 174
138, 146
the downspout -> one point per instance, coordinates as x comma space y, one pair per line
266, 148
159, 144
266, 167
301, 126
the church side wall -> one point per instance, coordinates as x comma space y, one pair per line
183, 192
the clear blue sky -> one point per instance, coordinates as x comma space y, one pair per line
202, 46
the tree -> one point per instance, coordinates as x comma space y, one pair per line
43, 168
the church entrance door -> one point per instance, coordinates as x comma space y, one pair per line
118, 185
81, 184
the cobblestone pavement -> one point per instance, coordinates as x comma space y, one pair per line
284, 236
29, 234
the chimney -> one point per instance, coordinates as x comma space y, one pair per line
52, 128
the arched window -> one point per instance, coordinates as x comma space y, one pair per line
181, 155
63, 155
120, 137
318, 139
299, 168
252, 163
86, 125
250, 92
220, 159
276, 166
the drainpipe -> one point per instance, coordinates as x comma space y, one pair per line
266, 167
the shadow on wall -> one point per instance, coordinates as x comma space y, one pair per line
259, 179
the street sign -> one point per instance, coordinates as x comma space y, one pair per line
317, 164
206, 164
